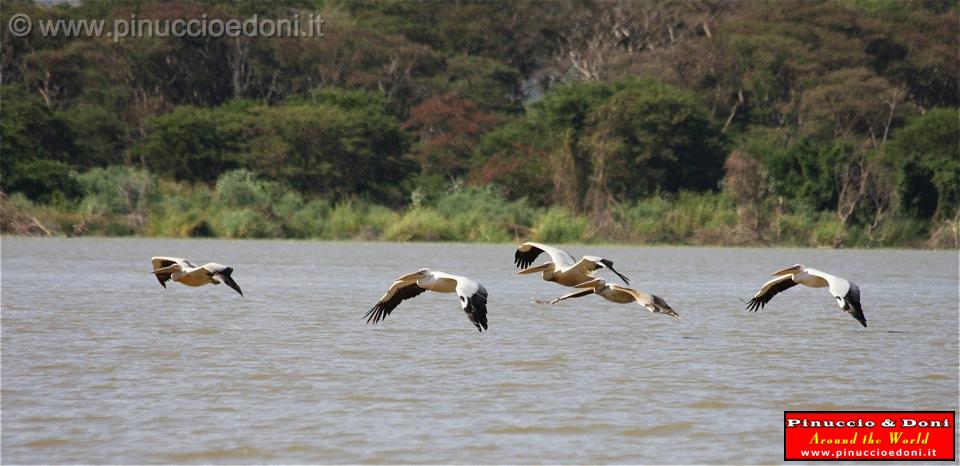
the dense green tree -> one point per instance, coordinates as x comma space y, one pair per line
805, 172
627, 139
915, 48
100, 134
491, 85
927, 151
30, 131
753, 77
853, 104
197, 144
331, 150
521, 34
546, 147
564, 115
43, 180
516, 158
650, 136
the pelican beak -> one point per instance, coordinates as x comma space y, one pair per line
167, 269
409, 276
787, 271
536, 269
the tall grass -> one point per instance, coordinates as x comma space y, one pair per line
558, 225
121, 201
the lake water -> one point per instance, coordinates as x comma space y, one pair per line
102, 365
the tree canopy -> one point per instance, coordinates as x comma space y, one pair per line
849, 108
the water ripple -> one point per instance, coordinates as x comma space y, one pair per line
115, 369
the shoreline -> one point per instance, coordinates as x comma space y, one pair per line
6, 235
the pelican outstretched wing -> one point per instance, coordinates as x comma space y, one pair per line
852, 304
651, 302
769, 290
590, 264
164, 267
575, 294
473, 300
845, 292
528, 252
399, 291
224, 273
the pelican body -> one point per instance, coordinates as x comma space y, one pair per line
621, 295
182, 271
473, 296
846, 293
562, 269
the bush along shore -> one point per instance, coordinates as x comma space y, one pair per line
121, 201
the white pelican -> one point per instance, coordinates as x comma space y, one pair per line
564, 269
181, 270
621, 295
473, 296
846, 293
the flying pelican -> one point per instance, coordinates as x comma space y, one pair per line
846, 293
621, 295
181, 270
473, 296
564, 269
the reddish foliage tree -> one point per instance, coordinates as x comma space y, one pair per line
448, 128
524, 171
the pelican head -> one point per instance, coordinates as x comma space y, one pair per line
793, 269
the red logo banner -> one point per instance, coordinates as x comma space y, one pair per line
869, 435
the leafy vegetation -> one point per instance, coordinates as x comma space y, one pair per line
817, 123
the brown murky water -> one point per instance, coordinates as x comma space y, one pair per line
101, 365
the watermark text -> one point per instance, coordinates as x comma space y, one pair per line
132, 27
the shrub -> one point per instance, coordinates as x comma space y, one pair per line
420, 225
378, 219
308, 221
345, 221
246, 223
478, 214
44, 181
903, 231
558, 225
120, 190
826, 229
240, 188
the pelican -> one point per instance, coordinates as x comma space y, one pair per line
563, 268
621, 295
473, 296
846, 293
181, 270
